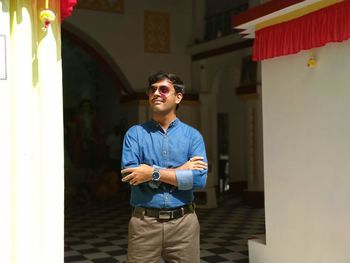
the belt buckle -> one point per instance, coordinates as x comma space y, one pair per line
164, 214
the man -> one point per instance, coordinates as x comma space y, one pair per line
165, 162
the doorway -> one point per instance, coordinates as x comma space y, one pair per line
94, 124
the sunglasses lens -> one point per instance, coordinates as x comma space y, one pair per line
163, 90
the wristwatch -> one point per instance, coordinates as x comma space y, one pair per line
156, 175
155, 182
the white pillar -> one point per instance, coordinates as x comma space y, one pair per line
31, 152
5, 138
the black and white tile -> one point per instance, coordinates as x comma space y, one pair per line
97, 233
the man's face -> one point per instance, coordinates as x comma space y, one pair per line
163, 97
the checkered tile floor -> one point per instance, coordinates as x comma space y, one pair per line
98, 233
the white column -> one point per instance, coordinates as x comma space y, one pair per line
5, 138
31, 152
50, 139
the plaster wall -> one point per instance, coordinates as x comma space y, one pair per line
306, 158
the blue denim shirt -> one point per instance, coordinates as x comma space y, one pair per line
149, 144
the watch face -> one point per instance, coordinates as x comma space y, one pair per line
155, 175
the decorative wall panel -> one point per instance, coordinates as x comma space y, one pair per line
157, 32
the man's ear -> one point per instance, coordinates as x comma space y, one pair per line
179, 97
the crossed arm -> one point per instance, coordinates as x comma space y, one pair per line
143, 173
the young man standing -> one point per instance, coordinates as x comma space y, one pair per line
164, 160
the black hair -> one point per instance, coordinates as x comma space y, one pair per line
174, 79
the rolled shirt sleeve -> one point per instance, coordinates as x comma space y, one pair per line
184, 179
193, 179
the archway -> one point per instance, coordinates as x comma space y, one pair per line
92, 89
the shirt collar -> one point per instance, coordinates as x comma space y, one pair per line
174, 123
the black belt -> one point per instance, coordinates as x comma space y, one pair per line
163, 214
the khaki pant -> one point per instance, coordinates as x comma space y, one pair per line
175, 240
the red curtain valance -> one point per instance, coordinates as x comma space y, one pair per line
330, 24
67, 8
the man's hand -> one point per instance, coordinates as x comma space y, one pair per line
195, 163
138, 175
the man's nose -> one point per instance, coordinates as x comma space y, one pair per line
156, 92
